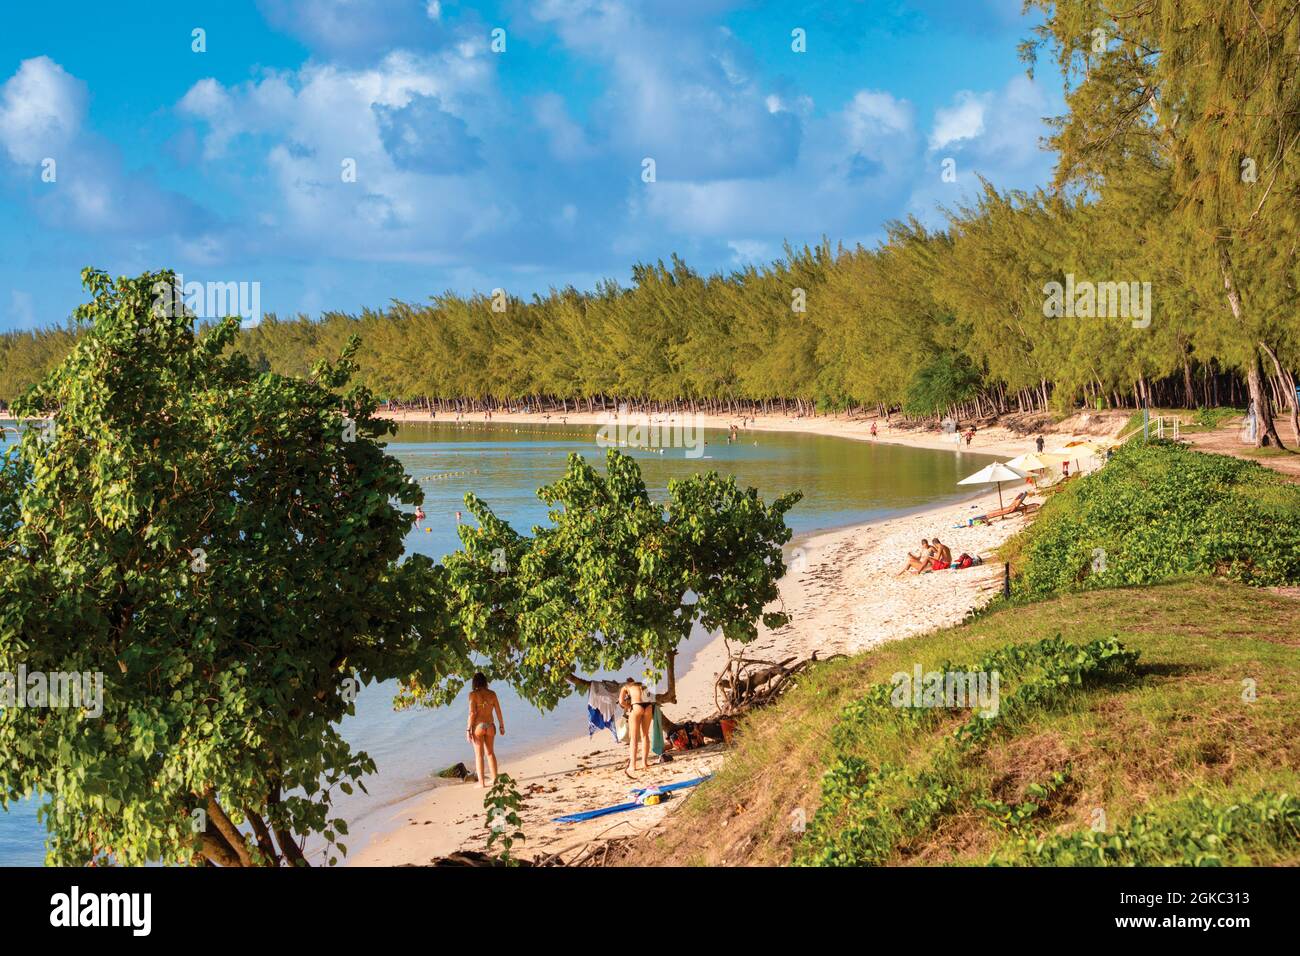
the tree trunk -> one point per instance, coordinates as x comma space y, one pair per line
1286, 382
1265, 431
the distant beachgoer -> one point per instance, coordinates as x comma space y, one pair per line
873, 429
918, 562
640, 713
457, 517
970, 434
483, 706
1065, 469
419, 514
1039, 442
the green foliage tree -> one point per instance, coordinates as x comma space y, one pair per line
615, 576
224, 547
1210, 91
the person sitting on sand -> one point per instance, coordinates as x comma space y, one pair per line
942, 559
483, 705
640, 712
918, 562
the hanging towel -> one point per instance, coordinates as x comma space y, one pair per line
602, 707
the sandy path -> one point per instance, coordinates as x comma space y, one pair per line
842, 598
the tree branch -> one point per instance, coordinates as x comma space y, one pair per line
228, 830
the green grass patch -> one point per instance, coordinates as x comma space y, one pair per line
1159, 511
1158, 749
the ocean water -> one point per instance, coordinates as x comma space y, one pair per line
843, 482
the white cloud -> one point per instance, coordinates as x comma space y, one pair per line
41, 110
668, 85
421, 189
356, 30
963, 120
872, 114
853, 166
750, 251
993, 135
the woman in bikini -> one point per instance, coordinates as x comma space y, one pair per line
640, 712
917, 562
483, 706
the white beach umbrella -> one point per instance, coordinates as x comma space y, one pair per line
995, 473
1028, 462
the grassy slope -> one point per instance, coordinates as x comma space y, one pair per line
1138, 740
1181, 728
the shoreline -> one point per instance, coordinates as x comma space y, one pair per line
993, 440
823, 595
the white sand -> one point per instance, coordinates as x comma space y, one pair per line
842, 598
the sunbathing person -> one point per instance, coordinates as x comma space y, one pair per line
1017, 505
942, 559
916, 562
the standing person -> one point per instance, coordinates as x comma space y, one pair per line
873, 429
483, 706
640, 712
1039, 442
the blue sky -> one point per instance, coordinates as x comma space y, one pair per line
475, 168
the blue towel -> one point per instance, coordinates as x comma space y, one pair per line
597, 721
602, 707
620, 807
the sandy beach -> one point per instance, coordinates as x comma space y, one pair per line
992, 440
842, 598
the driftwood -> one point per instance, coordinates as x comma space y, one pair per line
748, 683
473, 858
595, 853
745, 684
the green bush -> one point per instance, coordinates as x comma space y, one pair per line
867, 812
1194, 832
1157, 511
